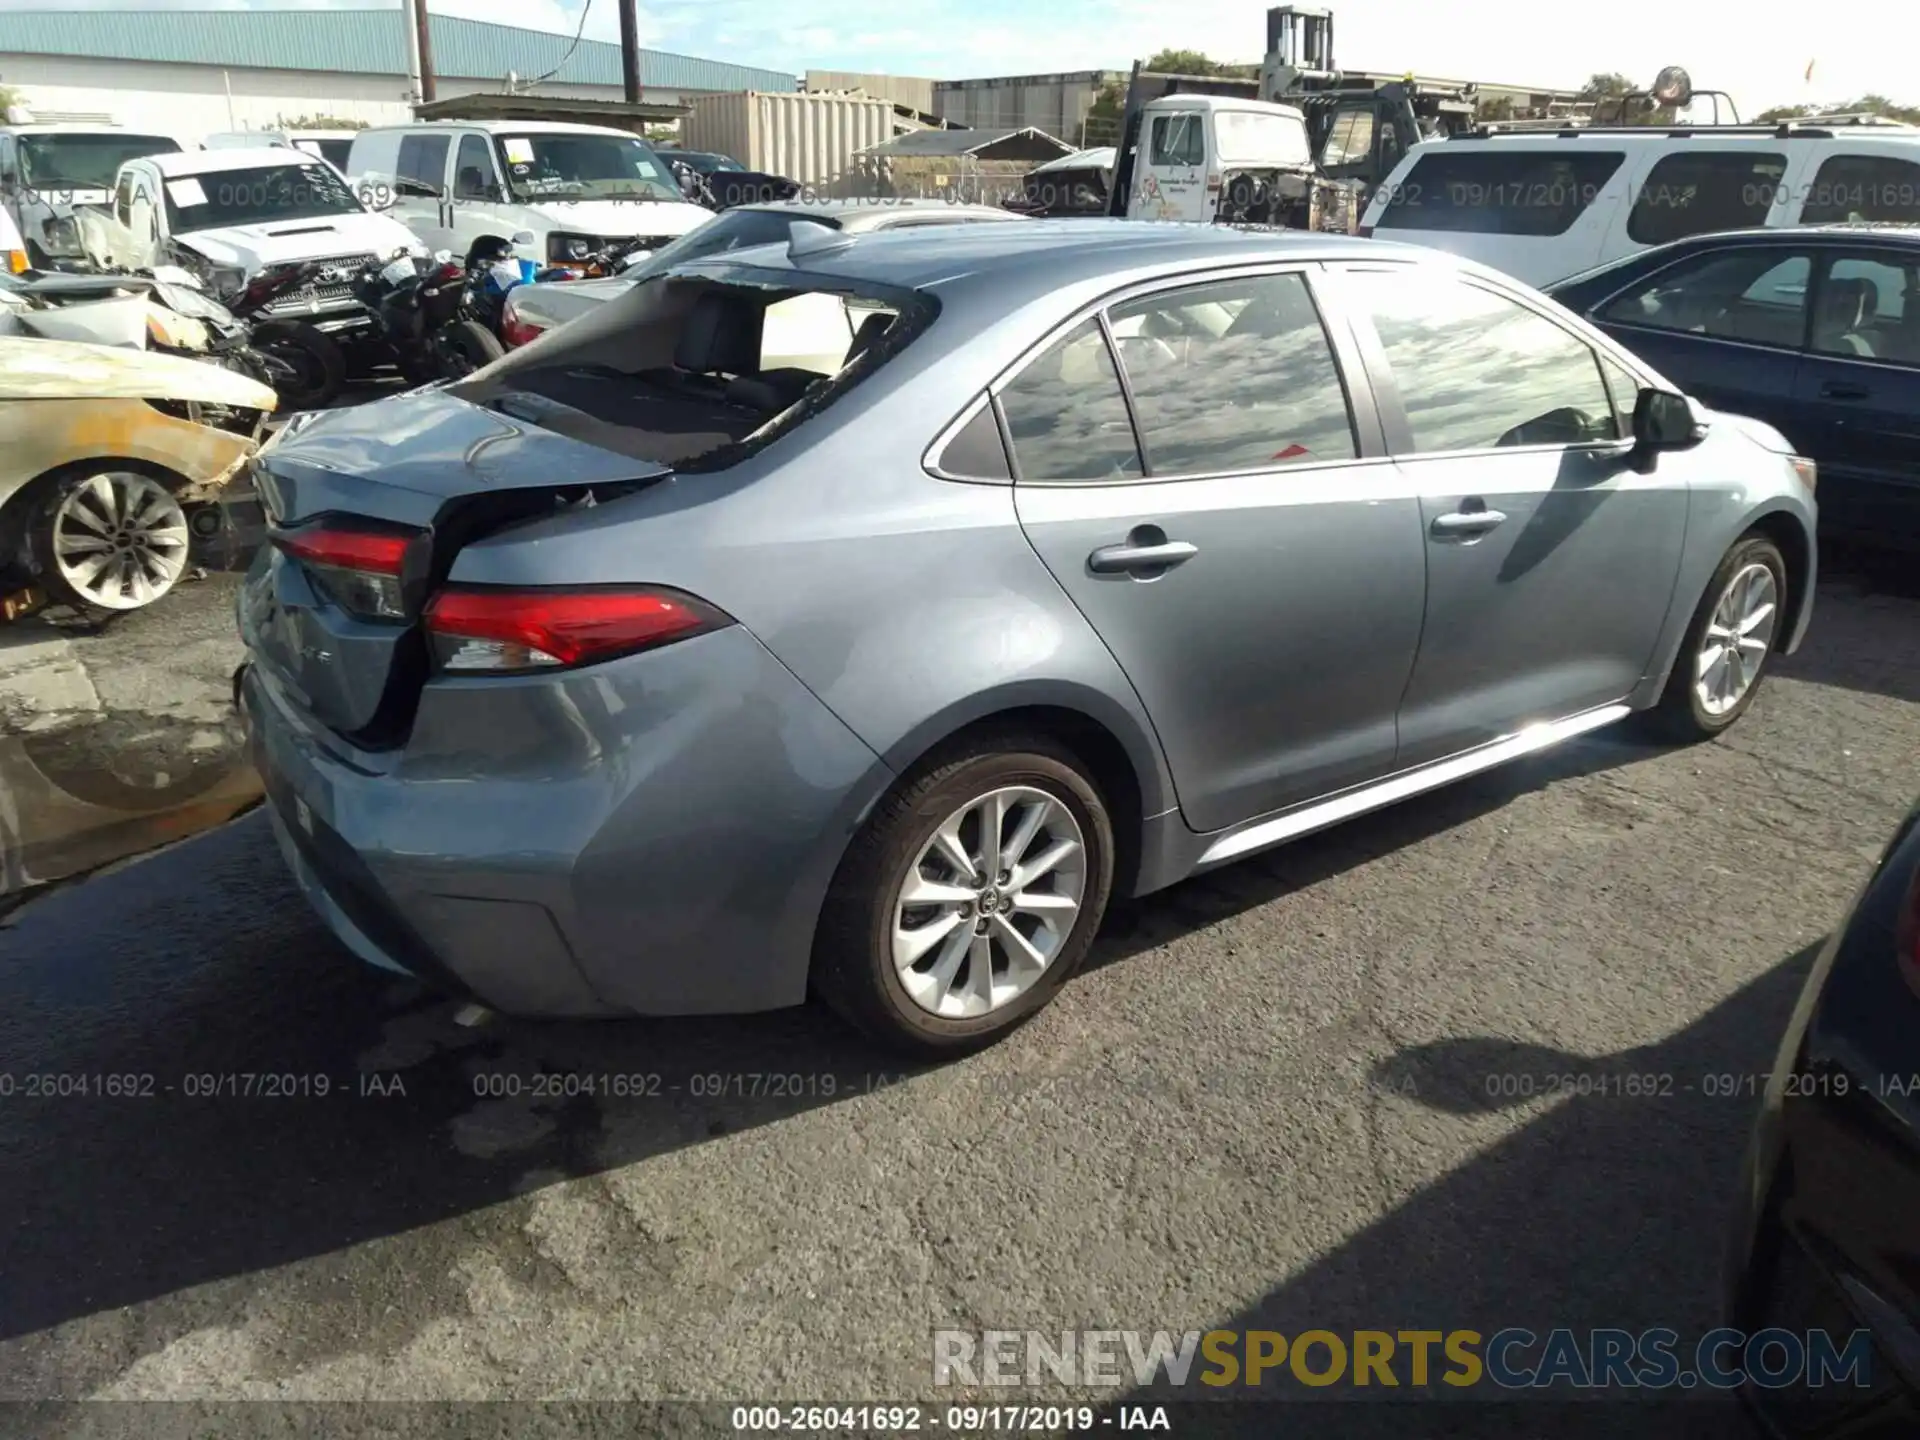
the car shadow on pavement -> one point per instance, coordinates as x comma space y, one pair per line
201, 1085
1865, 634
1134, 926
1554, 1225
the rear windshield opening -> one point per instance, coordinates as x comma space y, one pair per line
698, 372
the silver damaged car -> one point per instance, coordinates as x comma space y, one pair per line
631, 676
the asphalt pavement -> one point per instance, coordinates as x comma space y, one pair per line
1325, 1088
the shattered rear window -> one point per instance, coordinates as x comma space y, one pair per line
698, 371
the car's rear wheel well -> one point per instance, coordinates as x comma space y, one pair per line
1796, 548
1100, 753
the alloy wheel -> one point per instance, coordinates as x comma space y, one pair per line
989, 902
120, 540
1738, 638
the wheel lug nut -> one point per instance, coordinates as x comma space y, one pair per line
1005, 876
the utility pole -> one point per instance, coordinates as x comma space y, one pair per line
411, 25
630, 49
426, 50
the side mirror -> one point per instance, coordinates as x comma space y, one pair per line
1663, 420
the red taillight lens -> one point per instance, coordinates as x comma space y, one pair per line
515, 332
480, 629
356, 567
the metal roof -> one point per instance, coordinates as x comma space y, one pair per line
963, 142
364, 42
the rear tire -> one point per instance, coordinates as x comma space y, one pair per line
465, 346
1728, 646
318, 368
982, 953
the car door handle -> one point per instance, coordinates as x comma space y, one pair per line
1467, 523
1836, 390
1131, 558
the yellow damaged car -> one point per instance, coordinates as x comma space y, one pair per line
105, 453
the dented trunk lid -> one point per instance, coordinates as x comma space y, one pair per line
426, 461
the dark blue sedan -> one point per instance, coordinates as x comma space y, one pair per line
1814, 330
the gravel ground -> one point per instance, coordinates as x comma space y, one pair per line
1272, 1101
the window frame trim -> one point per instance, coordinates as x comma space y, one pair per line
1336, 322
1386, 387
936, 452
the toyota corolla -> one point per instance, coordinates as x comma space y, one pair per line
631, 676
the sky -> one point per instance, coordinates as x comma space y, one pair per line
1725, 44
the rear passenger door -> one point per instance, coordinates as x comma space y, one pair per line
1550, 564
1219, 507
1859, 386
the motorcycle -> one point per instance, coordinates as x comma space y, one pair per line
308, 368
425, 313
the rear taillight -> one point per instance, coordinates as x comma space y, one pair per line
503, 630
515, 332
357, 567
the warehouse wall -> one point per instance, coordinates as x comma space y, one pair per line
912, 90
1056, 104
188, 101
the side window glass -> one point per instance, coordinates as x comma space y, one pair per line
1849, 189
1178, 139
473, 175
1066, 413
1868, 308
1693, 192
1232, 376
423, 161
1350, 139
1477, 371
975, 452
1756, 295
123, 201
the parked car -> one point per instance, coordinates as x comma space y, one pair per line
1814, 330
530, 311
104, 461
48, 170
633, 675
1824, 1237
332, 146
555, 192
1542, 206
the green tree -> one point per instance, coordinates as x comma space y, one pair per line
316, 122
1604, 85
1866, 104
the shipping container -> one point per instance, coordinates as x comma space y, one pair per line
808, 138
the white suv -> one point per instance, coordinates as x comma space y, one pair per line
555, 192
1544, 205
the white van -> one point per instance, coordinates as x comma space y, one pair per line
332, 146
555, 192
1544, 205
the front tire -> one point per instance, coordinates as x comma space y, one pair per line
1728, 646
310, 369
969, 898
464, 346
109, 540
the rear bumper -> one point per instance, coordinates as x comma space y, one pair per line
650, 836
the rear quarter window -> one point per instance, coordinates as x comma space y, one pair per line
1852, 188
1499, 192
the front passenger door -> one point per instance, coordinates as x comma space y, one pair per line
1228, 527
1550, 563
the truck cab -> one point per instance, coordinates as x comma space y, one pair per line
1207, 158
46, 171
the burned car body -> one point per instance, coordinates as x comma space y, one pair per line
105, 453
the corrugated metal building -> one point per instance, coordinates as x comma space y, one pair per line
171, 70
808, 138
913, 91
1057, 104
